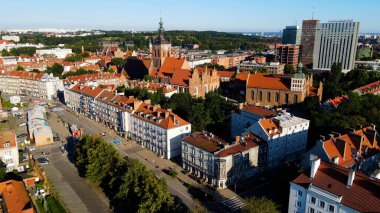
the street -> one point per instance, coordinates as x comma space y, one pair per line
130, 149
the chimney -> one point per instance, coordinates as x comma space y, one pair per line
136, 104
169, 110
331, 136
351, 177
130, 97
167, 113
147, 101
241, 105
314, 167
156, 106
237, 139
322, 138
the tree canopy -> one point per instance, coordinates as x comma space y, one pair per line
3, 171
260, 205
56, 69
128, 183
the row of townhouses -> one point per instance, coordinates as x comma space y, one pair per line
155, 128
41, 85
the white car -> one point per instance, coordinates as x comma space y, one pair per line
21, 124
32, 148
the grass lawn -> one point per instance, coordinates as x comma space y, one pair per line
51, 205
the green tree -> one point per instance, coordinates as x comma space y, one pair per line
260, 205
3, 171
4, 52
199, 117
19, 68
148, 78
36, 71
56, 69
289, 69
30, 51
118, 61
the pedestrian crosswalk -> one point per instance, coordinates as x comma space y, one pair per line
234, 204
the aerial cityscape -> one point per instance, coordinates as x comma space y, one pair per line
190, 107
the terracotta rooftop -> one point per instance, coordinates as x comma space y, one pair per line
7, 136
171, 64
362, 196
346, 147
181, 77
246, 142
206, 142
243, 76
226, 74
16, 197
269, 81
259, 110
337, 101
370, 88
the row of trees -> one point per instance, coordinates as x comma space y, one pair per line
77, 57
127, 182
211, 113
19, 51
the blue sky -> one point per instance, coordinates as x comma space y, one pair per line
219, 15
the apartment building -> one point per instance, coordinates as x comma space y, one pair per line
252, 66
9, 149
287, 54
218, 162
155, 128
41, 85
246, 116
330, 188
286, 137
99, 78
357, 149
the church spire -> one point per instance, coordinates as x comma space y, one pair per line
161, 29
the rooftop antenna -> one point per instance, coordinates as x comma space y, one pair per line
312, 14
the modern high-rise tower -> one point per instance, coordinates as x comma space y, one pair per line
291, 35
162, 48
309, 28
335, 41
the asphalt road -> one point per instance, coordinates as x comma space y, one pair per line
175, 187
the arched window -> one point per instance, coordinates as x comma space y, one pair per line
195, 91
260, 96
206, 89
268, 96
295, 99
286, 98
252, 95
277, 97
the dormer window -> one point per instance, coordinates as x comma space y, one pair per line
6, 144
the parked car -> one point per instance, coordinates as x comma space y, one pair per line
21, 124
116, 142
32, 149
22, 135
103, 133
4, 121
43, 161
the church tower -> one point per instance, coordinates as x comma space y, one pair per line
162, 48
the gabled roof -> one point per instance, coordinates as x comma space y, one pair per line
247, 142
226, 74
337, 101
206, 142
171, 64
181, 77
370, 88
15, 196
8, 136
259, 110
92, 91
362, 196
347, 146
105, 96
269, 81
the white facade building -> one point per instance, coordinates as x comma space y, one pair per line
218, 162
40, 85
333, 189
272, 67
286, 137
11, 38
9, 149
155, 128
57, 52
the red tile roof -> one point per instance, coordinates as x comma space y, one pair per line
247, 142
206, 142
181, 77
16, 197
7, 136
171, 64
346, 147
337, 101
226, 74
269, 81
259, 110
243, 76
370, 88
363, 195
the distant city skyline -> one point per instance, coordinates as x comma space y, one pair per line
229, 16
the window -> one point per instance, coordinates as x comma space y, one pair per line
311, 210
286, 98
252, 94
331, 208
277, 97
268, 96
299, 193
298, 203
322, 204
312, 200
295, 98
260, 96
